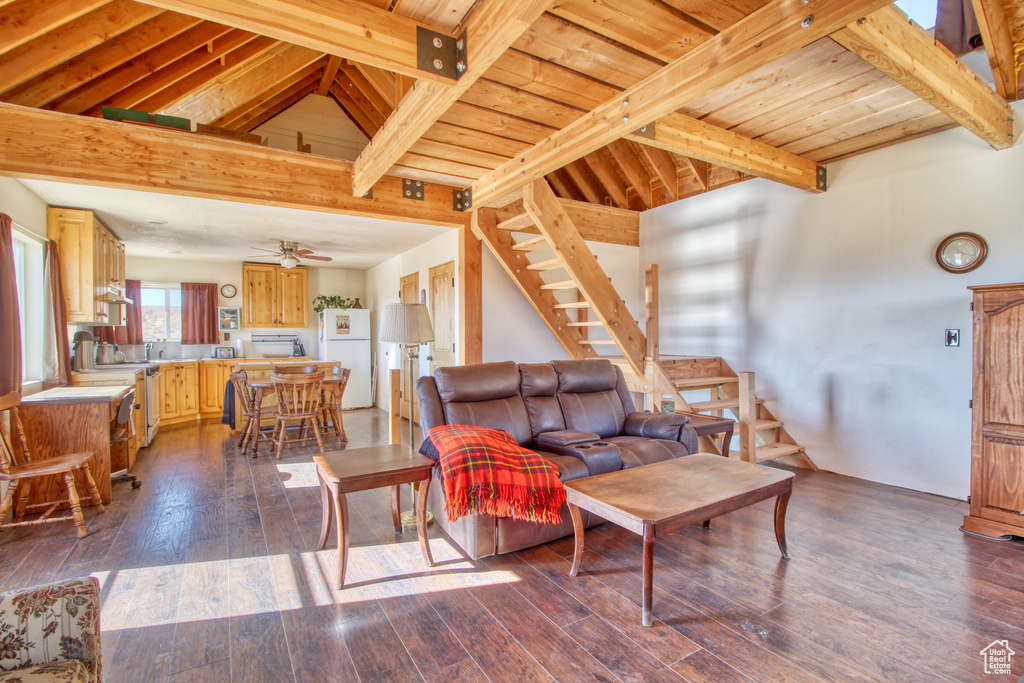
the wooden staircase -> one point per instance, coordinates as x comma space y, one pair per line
562, 264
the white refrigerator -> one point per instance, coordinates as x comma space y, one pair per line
345, 337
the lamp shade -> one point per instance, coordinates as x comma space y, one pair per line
406, 324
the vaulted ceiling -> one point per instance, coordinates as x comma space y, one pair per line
721, 91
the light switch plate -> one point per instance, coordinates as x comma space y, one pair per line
952, 337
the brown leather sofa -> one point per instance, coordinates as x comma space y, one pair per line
578, 415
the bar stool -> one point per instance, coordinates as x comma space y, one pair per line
298, 400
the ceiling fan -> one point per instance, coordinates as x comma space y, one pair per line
289, 254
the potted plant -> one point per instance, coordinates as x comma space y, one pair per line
323, 302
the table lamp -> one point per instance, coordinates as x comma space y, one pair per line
408, 324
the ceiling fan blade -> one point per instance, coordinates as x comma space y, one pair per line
269, 251
318, 258
302, 252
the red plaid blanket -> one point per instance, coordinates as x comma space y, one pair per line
485, 471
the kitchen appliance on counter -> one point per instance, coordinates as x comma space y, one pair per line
345, 337
224, 352
84, 347
106, 354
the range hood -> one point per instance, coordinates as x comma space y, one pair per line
113, 298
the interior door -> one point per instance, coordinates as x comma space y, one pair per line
409, 288
442, 315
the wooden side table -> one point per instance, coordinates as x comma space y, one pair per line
706, 425
361, 469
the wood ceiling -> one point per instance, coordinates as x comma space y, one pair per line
736, 88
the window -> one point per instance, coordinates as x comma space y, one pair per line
28, 270
161, 312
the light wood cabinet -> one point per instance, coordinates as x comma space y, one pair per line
112, 378
92, 265
179, 388
213, 376
997, 425
273, 296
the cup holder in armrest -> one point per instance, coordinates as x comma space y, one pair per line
601, 443
583, 446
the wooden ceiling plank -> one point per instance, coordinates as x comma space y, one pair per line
693, 138
466, 155
70, 40
586, 181
277, 85
473, 139
25, 20
634, 171
930, 122
347, 28
213, 71
445, 14
771, 32
360, 100
664, 167
538, 77
274, 103
495, 123
94, 63
144, 93
241, 81
715, 13
369, 91
382, 81
330, 71
446, 166
605, 170
427, 176
137, 69
649, 26
887, 40
519, 103
492, 27
47, 145
995, 33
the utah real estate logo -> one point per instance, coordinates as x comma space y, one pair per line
997, 656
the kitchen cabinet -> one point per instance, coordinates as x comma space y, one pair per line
179, 388
273, 296
92, 265
135, 378
213, 375
997, 416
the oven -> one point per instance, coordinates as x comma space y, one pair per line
153, 398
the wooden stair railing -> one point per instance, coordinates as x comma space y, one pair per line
598, 305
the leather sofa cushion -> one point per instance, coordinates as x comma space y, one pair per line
507, 414
483, 382
538, 379
599, 412
637, 450
584, 376
568, 467
566, 437
539, 384
655, 425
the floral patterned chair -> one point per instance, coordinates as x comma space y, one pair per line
51, 633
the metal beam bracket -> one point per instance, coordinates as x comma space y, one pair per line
462, 200
369, 194
645, 131
441, 54
821, 179
413, 189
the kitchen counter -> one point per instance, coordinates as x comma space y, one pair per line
90, 394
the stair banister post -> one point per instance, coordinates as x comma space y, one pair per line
651, 311
748, 418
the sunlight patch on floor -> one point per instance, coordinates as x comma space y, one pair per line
295, 475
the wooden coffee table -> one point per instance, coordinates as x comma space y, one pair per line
360, 469
673, 494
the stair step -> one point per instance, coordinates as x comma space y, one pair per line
572, 304
703, 382
532, 244
776, 450
596, 341
589, 323
764, 425
523, 220
718, 404
550, 264
568, 284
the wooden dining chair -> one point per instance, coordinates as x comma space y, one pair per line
295, 369
18, 468
330, 409
246, 396
298, 400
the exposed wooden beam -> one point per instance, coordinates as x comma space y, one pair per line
564, 186
701, 171
664, 167
492, 27
634, 171
365, 86
304, 79
25, 20
362, 101
355, 113
50, 146
70, 40
577, 258
887, 40
694, 138
586, 181
382, 81
995, 32
605, 170
471, 313
346, 28
763, 36
595, 222
330, 71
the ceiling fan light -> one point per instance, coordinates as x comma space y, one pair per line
289, 261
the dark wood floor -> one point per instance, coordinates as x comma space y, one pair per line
210, 573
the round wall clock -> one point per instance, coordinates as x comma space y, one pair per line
228, 291
961, 252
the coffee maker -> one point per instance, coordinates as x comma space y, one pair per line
85, 351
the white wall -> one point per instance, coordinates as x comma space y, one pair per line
24, 206
836, 302
329, 281
324, 127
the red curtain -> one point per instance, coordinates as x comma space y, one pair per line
956, 26
57, 354
10, 320
199, 313
131, 331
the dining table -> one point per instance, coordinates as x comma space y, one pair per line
331, 382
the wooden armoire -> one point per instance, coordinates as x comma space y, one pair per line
997, 423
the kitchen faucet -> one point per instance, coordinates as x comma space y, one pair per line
149, 347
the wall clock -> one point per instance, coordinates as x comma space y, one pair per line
961, 252
228, 291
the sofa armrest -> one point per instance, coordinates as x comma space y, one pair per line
566, 437
655, 425
599, 456
52, 622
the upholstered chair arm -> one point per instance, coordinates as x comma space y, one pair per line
53, 622
655, 425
